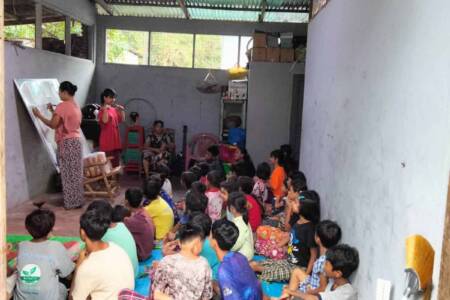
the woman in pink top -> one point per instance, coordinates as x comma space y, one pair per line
109, 117
66, 121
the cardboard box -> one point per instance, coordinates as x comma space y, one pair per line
259, 54
259, 40
273, 54
287, 55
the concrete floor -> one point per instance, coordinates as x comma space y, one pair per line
67, 221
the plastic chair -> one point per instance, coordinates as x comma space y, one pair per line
132, 148
196, 149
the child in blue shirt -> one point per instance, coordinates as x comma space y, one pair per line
237, 281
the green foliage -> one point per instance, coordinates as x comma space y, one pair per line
54, 30
171, 49
208, 51
123, 44
19, 32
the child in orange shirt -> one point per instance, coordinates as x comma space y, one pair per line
277, 177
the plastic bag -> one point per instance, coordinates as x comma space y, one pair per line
209, 85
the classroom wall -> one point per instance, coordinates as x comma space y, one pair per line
269, 108
376, 126
28, 166
172, 90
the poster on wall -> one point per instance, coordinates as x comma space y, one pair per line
317, 5
38, 93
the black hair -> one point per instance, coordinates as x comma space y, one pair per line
103, 207
214, 150
263, 171
246, 184
238, 201
119, 213
94, 224
201, 220
196, 170
198, 187
343, 258
134, 197
189, 232
329, 233
225, 233
286, 150
152, 189
107, 93
230, 186
188, 178
215, 178
67, 86
156, 122
204, 168
298, 185
40, 222
278, 155
298, 175
196, 202
164, 172
134, 116
157, 177
309, 208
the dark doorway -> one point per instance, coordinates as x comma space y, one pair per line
296, 114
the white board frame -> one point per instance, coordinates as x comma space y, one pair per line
38, 93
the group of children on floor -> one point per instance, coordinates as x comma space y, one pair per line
208, 240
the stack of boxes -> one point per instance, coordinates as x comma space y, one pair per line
266, 47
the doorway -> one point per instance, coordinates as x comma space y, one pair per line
296, 114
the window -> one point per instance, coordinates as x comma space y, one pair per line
23, 33
126, 47
246, 44
53, 31
171, 49
216, 51
79, 39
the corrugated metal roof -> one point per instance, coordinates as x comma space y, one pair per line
223, 15
147, 11
283, 17
293, 11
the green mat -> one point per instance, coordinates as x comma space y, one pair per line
17, 238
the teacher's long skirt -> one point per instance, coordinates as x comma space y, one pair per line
71, 167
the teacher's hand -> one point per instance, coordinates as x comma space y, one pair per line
50, 107
118, 106
36, 112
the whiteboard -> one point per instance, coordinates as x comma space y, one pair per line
37, 93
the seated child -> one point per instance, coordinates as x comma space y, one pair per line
158, 209
341, 262
187, 179
165, 196
260, 189
328, 234
236, 279
139, 224
302, 251
204, 221
164, 173
213, 160
103, 269
277, 177
227, 187
40, 262
185, 275
238, 214
117, 233
215, 201
255, 208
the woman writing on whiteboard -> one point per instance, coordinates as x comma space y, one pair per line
109, 117
66, 120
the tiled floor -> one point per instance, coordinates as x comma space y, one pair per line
67, 221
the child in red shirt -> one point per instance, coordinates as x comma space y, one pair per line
255, 209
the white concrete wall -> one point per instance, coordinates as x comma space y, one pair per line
268, 109
376, 127
28, 167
